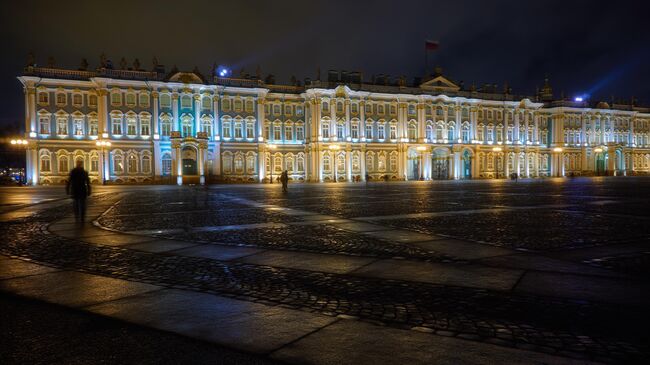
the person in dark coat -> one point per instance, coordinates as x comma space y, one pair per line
78, 187
284, 179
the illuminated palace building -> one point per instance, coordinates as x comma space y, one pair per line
128, 125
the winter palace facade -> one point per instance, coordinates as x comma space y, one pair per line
133, 126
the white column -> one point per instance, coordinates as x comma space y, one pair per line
458, 135
261, 117
156, 114
261, 162
516, 129
362, 125
348, 128
197, 114
216, 126
30, 117
362, 164
175, 121
201, 161
102, 111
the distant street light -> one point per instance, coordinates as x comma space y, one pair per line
21, 143
103, 145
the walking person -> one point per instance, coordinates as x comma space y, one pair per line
284, 179
78, 187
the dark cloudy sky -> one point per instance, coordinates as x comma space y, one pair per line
602, 48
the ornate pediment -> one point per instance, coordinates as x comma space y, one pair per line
186, 78
439, 83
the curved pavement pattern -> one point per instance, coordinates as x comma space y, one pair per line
302, 286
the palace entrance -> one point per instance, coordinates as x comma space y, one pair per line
440, 165
189, 156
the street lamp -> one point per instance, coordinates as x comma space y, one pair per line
102, 145
272, 147
497, 150
21, 143
335, 147
421, 149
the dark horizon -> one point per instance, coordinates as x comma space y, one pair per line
584, 47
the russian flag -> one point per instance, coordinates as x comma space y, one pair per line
431, 45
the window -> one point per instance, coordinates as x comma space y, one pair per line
368, 131
465, 133
412, 132
227, 163
116, 122
287, 110
450, 133
132, 166
225, 105
339, 107
144, 100
43, 97
145, 126
393, 162
300, 132
77, 100
45, 164
165, 101
354, 132
276, 109
206, 126
429, 132
61, 99
226, 129
326, 107
380, 109
78, 127
381, 132
393, 110
62, 126
326, 163
94, 164
277, 132
186, 125
238, 129
250, 163
288, 133
393, 131
340, 131
267, 130
439, 131
131, 127
130, 99
238, 105
92, 101
165, 127
116, 98
411, 110
166, 165
300, 164
206, 103
299, 110
63, 165
288, 163
249, 106
186, 101
381, 163
325, 129
368, 108
354, 108
44, 125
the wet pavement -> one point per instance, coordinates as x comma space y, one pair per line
538, 269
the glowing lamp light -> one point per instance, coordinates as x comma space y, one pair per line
497, 149
19, 142
32, 134
557, 149
579, 99
421, 148
260, 139
273, 146
104, 135
334, 147
156, 136
223, 71
598, 150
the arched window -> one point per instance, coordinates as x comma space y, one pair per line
429, 132
393, 131
186, 125
465, 133
393, 161
46, 163
43, 97
439, 132
300, 163
166, 164
145, 125
277, 163
325, 129
450, 133
288, 132
130, 99
64, 168
340, 162
226, 128
239, 129
381, 131
146, 164
340, 130
186, 101
165, 126
143, 100
250, 163
132, 166
300, 132
116, 98
250, 129
165, 101
227, 163
355, 162
370, 162
239, 164
206, 103
206, 126
131, 126
288, 163
94, 163
118, 164
412, 131
381, 163
327, 165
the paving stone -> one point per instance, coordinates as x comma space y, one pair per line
160, 245
537, 262
218, 252
582, 287
116, 239
308, 261
73, 289
11, 268
244, 325
462, 249
353, 342
440, 273
362, 227
401, 236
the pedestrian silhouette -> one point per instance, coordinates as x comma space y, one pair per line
284, 179
78, 187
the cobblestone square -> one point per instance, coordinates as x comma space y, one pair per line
556, 268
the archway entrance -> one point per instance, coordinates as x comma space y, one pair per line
466, 172
413, 171
189, 161
440, 166
600, 164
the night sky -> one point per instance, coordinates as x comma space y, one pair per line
598, 48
